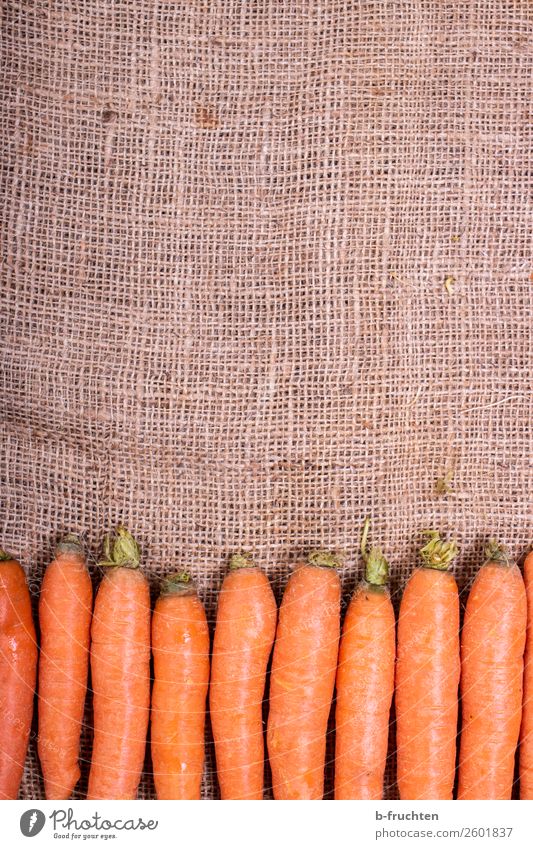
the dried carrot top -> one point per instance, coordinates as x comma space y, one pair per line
123, 550
325, 559
177, 583
241, 560
377, 568
497, 553
438, 553
70, 544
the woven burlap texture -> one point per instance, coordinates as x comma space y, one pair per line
227, 232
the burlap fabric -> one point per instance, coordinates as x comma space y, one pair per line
228, 227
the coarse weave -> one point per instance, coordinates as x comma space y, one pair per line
266, 271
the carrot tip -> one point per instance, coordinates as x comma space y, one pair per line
178, 583
438, 553
241, 560
324, 558
377, 568
123, 550
496, 553
5, 555
70, 544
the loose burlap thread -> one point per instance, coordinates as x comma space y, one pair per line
227, 230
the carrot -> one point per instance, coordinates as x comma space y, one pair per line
365, 683
526, 731
244, 635
65, 609
120, 667
18, 665
427, 676
180, 644
492, 648
303, 678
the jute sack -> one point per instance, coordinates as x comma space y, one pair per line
266, 271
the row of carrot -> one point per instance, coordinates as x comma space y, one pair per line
423, 667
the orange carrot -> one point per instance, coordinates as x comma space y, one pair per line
526, 732
303, 678
180, 643
65, 610
427, 676
492, 649
18, 665
365, 683
120, 667
244, 634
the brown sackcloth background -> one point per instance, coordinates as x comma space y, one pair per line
227, 228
